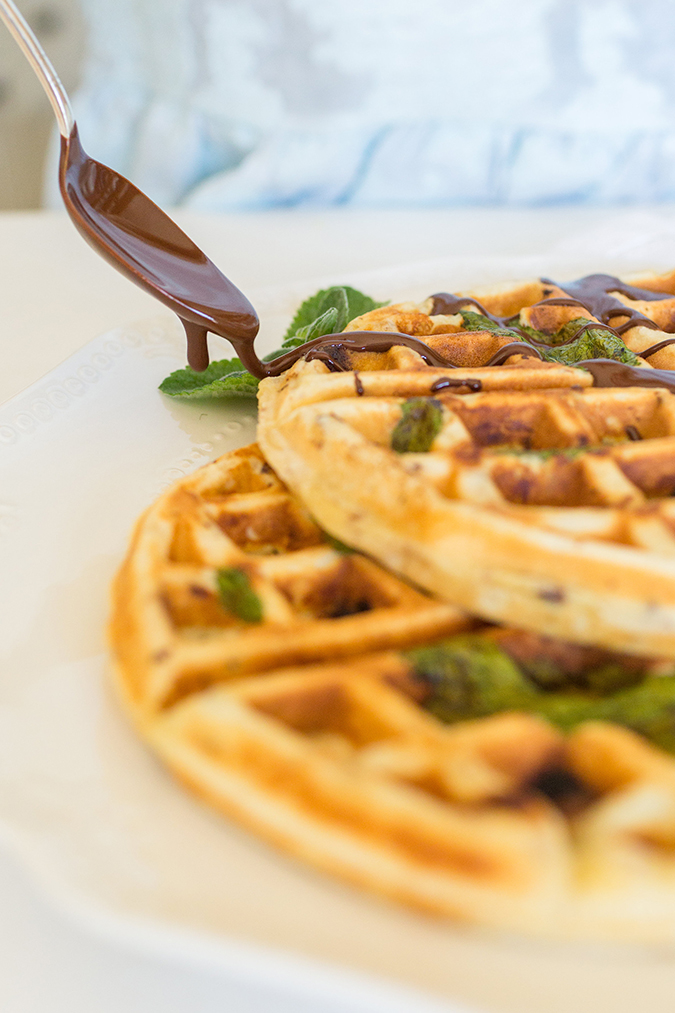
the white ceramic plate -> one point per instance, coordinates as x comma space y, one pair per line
91, 814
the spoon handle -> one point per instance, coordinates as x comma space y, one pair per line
41, 64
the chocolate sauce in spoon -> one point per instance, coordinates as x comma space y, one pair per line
142, 242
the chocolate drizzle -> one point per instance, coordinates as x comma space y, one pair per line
513, 348
451, 381
330, 349
609, 373
445, 303
593, 293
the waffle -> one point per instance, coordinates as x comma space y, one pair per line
289, 700
542, 500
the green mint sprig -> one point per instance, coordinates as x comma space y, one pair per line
326, 312
237, 595
226, 378
419, 425
348, 302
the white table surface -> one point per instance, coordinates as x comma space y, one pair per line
55, 295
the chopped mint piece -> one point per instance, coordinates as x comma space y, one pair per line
237, 596
348, 302
594, 343
532, 333
470, 676
569, 329
648, 708
478, 322
420, 423
225, 378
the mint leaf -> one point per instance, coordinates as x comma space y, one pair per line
358, 303
348, 302
237, 596
225, 378
420, 423
327, 323
533, 333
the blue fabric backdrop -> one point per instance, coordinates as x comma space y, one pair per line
242, 104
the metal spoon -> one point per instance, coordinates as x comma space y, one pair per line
132, 233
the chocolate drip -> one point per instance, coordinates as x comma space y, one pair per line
358, 386
632, 433
451, 381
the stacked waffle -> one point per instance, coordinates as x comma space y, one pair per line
433, 706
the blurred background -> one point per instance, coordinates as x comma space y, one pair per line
26, 119
221, 105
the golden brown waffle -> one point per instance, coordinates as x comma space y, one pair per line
302, 722
542, 501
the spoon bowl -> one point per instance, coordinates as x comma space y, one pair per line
137, 238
